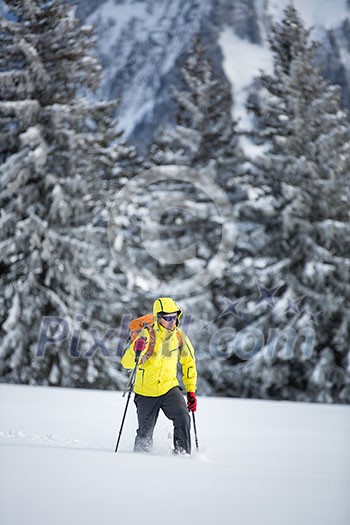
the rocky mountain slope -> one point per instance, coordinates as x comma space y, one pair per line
142, 44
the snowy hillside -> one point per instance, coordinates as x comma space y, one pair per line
142, 45
260, 463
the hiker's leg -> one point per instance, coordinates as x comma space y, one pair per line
174, 407
147, 414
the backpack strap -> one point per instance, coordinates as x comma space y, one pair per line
151, 344
179, 339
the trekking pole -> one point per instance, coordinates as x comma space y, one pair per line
130, 388
130, 380
195, 431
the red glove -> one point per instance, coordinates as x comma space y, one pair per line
139, 345
191, 401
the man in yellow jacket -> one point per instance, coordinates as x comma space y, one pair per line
156, 384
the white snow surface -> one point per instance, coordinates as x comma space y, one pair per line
242, 62
260, 463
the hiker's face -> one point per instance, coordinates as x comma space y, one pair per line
168, 321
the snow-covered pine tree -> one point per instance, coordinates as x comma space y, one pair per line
56, 147
205, 131
205, 139
303, 200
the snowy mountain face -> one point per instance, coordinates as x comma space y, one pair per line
140, 44
143, 43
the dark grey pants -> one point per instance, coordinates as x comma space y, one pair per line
174, 407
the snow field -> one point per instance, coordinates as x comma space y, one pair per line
260, 463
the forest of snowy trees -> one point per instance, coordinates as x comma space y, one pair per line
274, 320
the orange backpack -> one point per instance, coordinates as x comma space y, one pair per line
146, 321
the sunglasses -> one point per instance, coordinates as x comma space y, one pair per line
169, 318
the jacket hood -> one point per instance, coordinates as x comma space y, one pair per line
167, 305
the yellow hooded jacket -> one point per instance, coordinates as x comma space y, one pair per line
158, 374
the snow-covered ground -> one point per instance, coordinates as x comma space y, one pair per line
260, 463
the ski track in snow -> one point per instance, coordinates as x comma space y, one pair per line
18, 437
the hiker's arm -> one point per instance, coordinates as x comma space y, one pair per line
188, 363
128, 359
